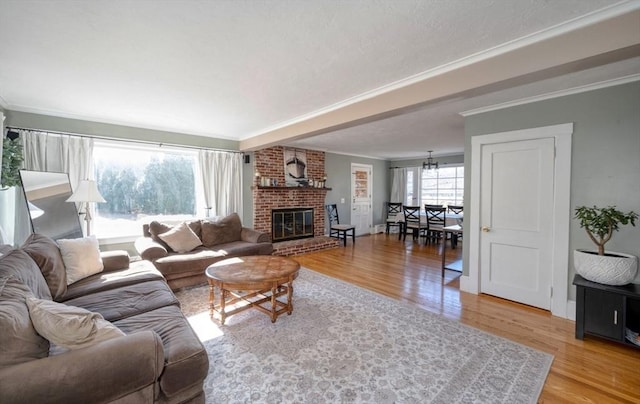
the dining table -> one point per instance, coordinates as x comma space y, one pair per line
451, 219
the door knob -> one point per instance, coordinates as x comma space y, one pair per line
485, 229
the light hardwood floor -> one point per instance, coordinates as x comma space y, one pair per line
588, 371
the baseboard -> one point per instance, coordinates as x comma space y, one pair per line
571, 310
466, 285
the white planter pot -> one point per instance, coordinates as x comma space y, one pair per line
609, 270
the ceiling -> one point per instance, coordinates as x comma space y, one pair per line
244, 69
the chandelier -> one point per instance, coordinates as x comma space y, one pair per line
430, 164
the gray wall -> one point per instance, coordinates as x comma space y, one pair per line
605, 162
55, 124
338, 169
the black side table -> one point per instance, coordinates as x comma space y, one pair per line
607, 311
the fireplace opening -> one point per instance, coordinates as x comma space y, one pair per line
291, 223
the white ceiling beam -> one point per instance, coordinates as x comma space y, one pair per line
589, 39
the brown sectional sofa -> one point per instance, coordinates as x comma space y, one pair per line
159, 360
221, 239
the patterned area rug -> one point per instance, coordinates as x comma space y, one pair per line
346, 344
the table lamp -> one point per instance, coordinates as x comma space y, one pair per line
86, 193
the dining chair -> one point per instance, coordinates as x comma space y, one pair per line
394, 216
455, 209
436, 219
337, 230
413, 221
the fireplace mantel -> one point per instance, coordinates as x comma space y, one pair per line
289, 188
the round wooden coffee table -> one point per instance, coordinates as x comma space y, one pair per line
252, 281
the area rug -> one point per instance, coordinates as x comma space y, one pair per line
346, 344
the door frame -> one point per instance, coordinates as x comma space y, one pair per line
369, 168
561, 209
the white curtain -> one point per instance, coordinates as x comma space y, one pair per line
398, 185
58, 153
221, 174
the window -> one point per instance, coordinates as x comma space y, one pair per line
141, 184
444, 186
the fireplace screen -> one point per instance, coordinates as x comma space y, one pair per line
291, 223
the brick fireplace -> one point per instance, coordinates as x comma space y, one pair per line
270, 163
291, 223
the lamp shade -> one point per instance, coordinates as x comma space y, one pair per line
87, 191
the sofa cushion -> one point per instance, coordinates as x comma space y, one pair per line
45, 252
243, 248
181, 238
140, 271
69, 326
116, 304
225, 230
156, 228
81, 257
19, 264
19, 341
188, 264
186, 361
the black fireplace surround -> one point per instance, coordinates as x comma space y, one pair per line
291, 224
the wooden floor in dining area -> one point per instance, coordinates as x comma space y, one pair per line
588, 371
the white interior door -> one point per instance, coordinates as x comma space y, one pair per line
361, 212
516, 218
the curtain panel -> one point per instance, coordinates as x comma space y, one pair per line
221, 174
398, 185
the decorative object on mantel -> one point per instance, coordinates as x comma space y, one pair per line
609, 268
430, 164
295, 168
283, 187
11, 161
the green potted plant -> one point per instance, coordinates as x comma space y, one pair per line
11, 163
611, 268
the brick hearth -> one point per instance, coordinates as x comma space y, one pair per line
270, 163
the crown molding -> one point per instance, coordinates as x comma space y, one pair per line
58, 114
553, 94
547, 33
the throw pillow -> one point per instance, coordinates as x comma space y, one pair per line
81, 257
181, 238
19, 264
225, 230
157, 228
69, 326
19, 341
45, 252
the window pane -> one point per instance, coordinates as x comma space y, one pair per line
430, 174
443, 186
448, 172
141, 185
